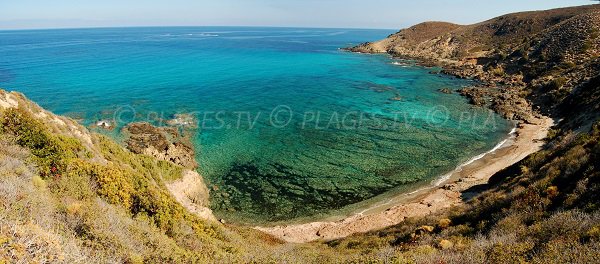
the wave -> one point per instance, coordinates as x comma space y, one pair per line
337, 33
401, 64
440, 180
437, 182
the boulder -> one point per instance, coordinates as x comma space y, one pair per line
144, 138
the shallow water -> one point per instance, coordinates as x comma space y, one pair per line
290, 126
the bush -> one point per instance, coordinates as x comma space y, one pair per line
130, 181
556, 83
51, 152
586, 46
498, 71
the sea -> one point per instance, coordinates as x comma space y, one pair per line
287, 126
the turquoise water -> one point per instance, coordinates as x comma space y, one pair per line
289, 126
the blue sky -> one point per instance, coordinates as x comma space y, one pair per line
389, 14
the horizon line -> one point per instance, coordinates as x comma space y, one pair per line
188, 26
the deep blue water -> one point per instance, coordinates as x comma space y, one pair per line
289, 125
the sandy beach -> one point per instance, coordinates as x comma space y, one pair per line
448, 192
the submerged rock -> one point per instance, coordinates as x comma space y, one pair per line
144, 138
105, 124
445, 90
187, 120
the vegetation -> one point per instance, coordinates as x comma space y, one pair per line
70, 199
543, 209
499, 71
131, 184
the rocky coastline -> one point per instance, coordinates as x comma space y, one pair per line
163, 143
526, 64
516, 77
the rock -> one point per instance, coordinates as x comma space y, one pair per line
187, 120
445, 90
425, 229
154, 141
449, 186
475, 95
421, 231
105, 124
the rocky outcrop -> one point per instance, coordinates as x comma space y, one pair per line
506, 101
159, 142
528, 63
469, 43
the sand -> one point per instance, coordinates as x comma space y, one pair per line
191, 192
451, 191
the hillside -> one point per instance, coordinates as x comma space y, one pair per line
68, 195
541, 56
447, 41
543, 209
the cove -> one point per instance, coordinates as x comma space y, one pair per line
289, 126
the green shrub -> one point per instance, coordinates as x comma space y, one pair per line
556, 83
133, 182
51, 152
498, 71
510, 253
586, 46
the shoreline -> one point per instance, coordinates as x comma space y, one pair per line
448, 190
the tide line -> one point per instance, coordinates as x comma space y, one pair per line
440, 180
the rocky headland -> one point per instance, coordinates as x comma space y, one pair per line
527, 63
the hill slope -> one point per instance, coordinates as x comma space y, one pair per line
71, 196
441, 40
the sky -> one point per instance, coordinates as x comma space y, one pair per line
385, 14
